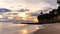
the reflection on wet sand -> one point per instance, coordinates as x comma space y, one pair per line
9, 28
24, 31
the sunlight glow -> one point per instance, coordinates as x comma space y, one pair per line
1, 16
23, 14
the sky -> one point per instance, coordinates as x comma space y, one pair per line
33, 5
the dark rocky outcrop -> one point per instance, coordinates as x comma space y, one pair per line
51, 17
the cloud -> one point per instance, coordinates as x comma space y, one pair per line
52, 2
27, 3
33, 5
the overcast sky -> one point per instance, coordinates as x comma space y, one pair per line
31, 4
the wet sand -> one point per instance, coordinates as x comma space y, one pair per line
49, 29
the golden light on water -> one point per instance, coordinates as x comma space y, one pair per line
35, 19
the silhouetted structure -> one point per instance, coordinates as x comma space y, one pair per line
41, 13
